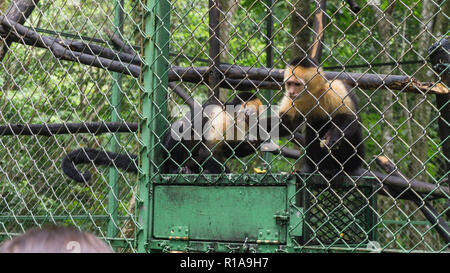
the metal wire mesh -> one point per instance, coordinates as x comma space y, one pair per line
147, 62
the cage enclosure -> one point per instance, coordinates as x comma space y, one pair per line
323, 125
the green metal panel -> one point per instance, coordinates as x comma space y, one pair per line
220, 213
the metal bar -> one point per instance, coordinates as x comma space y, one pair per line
292, 204
229, 179
373, 219
267, 94
142, 203
161, 86
154, 108
116, 99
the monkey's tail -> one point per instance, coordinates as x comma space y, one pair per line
125, 162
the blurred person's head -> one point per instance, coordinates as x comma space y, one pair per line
55, 240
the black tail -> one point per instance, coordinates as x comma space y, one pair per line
125, 162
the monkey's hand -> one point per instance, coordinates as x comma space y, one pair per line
186, 170
331, 139
249, 112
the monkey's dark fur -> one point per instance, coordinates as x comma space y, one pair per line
333, 129
180, 156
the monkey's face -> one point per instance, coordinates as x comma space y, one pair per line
294, 83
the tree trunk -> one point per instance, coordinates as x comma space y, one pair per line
227, 9
385, 30
422, 103
440, 25
301, 22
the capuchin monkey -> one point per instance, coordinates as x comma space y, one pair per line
225, 132
333, 133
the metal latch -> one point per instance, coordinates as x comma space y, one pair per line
282, 218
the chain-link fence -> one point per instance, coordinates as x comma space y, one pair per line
93, 91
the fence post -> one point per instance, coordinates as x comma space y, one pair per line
116, 98
154, 109
267, 94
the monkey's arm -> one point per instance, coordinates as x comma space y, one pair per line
342, 126
246, 148
282, 127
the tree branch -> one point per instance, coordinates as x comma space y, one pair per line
236, 77
190, 101
18, 11
214, 48
424, 205
119, 43
273, 79
61, 49
353, 6
68, 128
319, 28
435, 191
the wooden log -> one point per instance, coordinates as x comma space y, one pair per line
435, 191
275, 78
424, 205
118, 42
320, 20
18, 11
392, 82
81, 47
235, 77
93, 49
215, 77
63, 53
67, 128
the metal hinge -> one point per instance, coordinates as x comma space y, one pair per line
268, 236
179, 233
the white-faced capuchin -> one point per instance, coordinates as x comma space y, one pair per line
333, 133
224, 133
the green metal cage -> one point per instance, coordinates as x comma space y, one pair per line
108, 74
